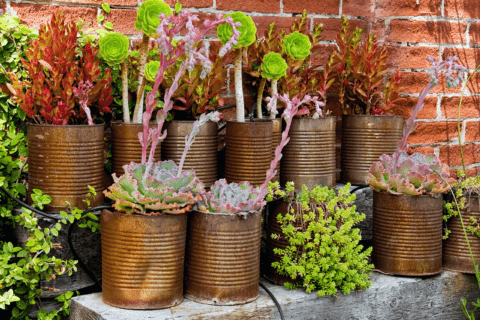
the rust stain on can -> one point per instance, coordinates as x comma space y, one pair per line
309, 157
456, 256
248, 152
223, 258
142, 260
364, 140
276, 139
407, 234
63, 161
126, 147
202, 156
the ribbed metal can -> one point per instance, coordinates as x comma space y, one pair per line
223, 258
309, 157
456, 256
407, 234
126, 147
202, 156
248, 151
276, 139
63, 161
364, 139
143, 260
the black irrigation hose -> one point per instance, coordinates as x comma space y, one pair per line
359, 188
23, 204
274, 300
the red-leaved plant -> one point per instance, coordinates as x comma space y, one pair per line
59, 72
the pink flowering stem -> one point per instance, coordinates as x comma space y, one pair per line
82, 94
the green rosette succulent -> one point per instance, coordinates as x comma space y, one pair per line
297, 45
147, 16
151, 69
114, 48
247, 30
274, 66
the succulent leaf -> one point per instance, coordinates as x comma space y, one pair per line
114, 48
297, 45
147, 16
151, 69
274, 66
247, 30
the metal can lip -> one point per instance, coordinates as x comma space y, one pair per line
65, 126
371, 116
243, 214
121, 123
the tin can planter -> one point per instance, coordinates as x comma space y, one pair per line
407, 234
202, 156
276, 139
456, 256
309, 157
143, 260
364, 139
63, 161
248, 151
223, 258
126, 147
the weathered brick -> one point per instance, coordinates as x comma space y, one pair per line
451, 154
462, 9
472, 131
324, 52
357, 8
474, 33
414, 82
34, 15
410, 57
474, 84
123, 3
422, 150
405, 8
190, 3
433, 132
212, 33
331, 27
281, 23
271, 6
312, 6
468, 57
427, 31
123, 21
216, 45
470, 107
405, 107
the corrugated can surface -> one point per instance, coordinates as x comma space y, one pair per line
276, 138
64, 160
126, 147
364, 140
248, 151
309, 157
407, 234
223, 258
142, 260
456, 256
202, 156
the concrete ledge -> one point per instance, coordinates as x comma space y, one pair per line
389, 297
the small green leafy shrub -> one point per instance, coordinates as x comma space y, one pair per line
324, 252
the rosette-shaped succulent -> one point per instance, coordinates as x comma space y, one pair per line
415, 174
273, 66
147, 16
238, 198
151, 69
156, 191
247, 30
113, 48
297, 45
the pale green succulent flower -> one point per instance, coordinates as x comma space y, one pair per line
114, 48
274, 66
151, 69
297, 45
247, 30
147, 16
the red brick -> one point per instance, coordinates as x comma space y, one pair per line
471, 172
422, 150
312, 6
472, 131
405, 8
470, 107
123, 21
216, 45
462, 9
331, 27
468, 57
124, 3
474, 83
427, 31
358, 8
34, 15
405, 107
324, 52
379, 29
474, 32
451, 154
411, 57
414, 82
281, 23
272, 6
433, 132
212, 33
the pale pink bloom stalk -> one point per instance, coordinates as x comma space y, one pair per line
82, 94
170, 51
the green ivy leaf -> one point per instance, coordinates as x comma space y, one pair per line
100, 18
108, 25
106, 7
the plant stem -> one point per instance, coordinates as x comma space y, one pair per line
239, 86
261, 87
274, 92
126, 111
137, 113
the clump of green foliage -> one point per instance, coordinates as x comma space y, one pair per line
324, 252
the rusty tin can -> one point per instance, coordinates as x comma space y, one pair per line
456, 256
407, 234
364, 139
276, 139
63, 161
126, 147
223, 258
309, 157
202, 156
143, 260
248, 151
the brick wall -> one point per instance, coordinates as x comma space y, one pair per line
414, 30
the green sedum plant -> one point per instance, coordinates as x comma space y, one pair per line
297, 45
324, 253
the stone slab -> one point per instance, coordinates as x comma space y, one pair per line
390, 297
